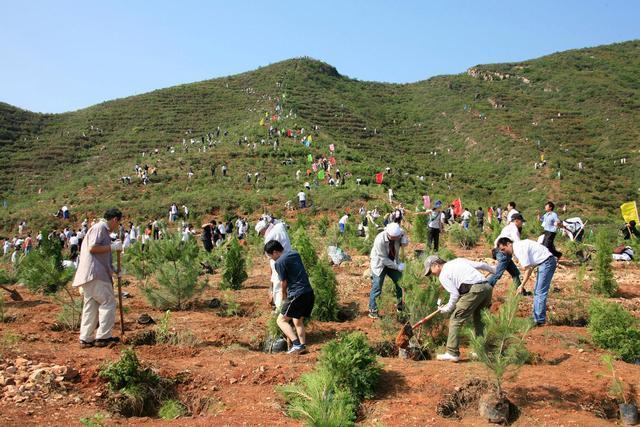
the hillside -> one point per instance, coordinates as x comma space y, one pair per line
487, 126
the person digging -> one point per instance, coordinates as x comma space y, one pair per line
297, 294
94, 278
469, 294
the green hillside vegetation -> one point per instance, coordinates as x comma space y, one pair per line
487, 127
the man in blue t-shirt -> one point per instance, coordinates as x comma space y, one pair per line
550, 223
297, 294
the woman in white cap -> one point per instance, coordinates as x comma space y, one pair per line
385, 262
278, 232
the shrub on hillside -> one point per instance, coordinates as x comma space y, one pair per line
604, 283
171, 262
133, 389
324, 284
302, 243
465, 238
615, 329
42, 271
234, 271
347, 372
316, 398
420, 228
352, 363
323, 225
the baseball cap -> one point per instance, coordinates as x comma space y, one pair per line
393, 229
518, 216
261, 225
431, 259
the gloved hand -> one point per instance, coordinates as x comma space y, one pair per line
404, 240
443, 309
401, 266
116, 246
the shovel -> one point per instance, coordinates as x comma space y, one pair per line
12, 293
405, 334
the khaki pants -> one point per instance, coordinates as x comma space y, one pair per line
470, 304
99, 311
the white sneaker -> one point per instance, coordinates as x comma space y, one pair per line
297, 349
446, 357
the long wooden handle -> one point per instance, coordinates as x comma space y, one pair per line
425, 319
120, 294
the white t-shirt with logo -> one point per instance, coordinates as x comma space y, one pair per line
530, 253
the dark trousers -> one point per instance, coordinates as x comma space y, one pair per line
433, 239
549, 237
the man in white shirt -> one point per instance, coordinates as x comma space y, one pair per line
466, 218
342, 222
385, 261
505, 262
532, 254
469, 294
277, 231
511, 211
435, 221
302, 199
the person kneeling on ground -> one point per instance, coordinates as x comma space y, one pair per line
469, 294
297, 294
94, 277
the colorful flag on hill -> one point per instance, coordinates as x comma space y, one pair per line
261, 122
457, 207
332, 160
630, 212
309, 158
379, 178
321, 174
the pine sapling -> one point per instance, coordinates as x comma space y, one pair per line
324, 284
234, 270
502, 348
604, 283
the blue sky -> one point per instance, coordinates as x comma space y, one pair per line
64, 55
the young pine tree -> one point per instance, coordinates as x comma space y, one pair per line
502, 348
302, 243
176, 273
604, 283
324, 283
234, 271
42, 271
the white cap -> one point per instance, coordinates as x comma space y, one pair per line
261, 225
393, 229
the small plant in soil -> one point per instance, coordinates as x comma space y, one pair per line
502, 350
465, 238
324, 283
230, 307
323, 225
604, 283
165, 333
347, 371
614, 328
42, 271
135, 390
96, 420
172, 409
234, 268
628, 410
171, 262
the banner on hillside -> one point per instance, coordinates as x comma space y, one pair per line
457, 207
379, 177
630, 212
